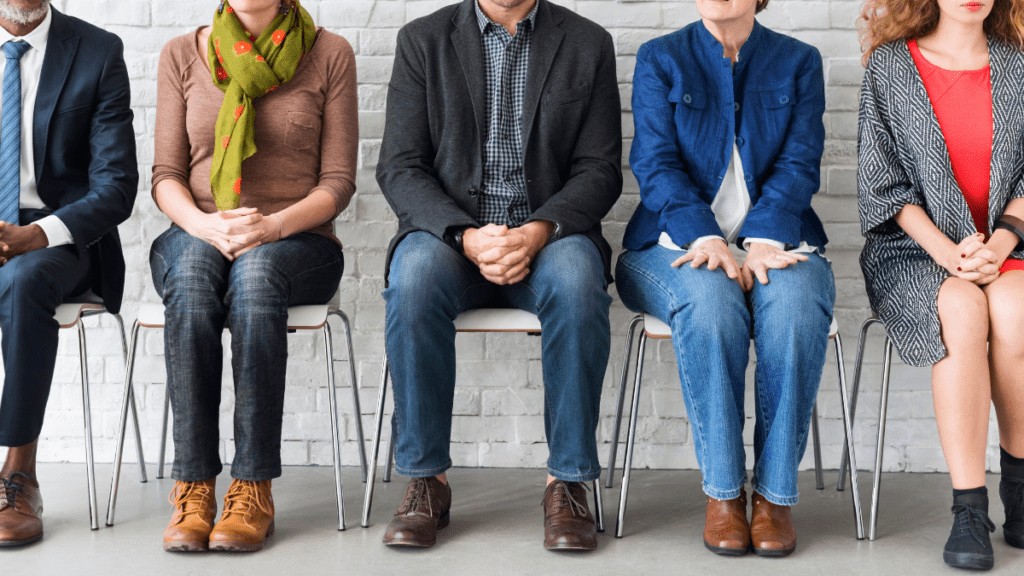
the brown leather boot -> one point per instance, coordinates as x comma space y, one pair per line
726, 530
423, 512
771, 528
568, 524
247, 520
21, 510
195, 507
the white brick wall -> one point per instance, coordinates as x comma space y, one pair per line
498, 404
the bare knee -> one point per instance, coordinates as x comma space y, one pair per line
1006, 312
963, 314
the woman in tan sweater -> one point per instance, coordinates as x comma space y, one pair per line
256, 140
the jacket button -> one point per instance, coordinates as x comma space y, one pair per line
784, 100
740, 141
736, 106
474, 192
687, 98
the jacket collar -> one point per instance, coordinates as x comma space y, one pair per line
61, 48
714, 49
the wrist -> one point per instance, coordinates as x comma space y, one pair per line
540, 231
37, 237
279, 223
1002, 243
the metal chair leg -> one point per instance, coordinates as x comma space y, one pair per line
879, 447
848, 427
143, 477
858, 365
375, 447
819, 476
357, 410
631, 437
163, 431
389, 463
630, 332
332, 393
115, 476
599, 504
90, 463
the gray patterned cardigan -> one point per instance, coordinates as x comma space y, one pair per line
903, 159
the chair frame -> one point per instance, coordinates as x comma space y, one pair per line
332, 393
86, 310
637, 321
379, 420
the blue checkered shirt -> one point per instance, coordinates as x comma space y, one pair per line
506, 58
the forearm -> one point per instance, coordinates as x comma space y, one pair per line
175, 200
918, 225
306, 214
1003, 242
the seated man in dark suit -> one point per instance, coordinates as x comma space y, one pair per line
501, 154
68, 177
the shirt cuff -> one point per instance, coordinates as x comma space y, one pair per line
693, 245
57, 234
775, 243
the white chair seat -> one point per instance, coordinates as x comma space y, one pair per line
497, 320
299, 317
658, 330
67, 315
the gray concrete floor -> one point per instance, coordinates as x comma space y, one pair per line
496, 529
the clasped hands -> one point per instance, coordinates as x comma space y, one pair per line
235, 232
974, 260
504, 254
16, 240
761, 257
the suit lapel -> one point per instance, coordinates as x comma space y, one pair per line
547, 37
470, 50
60, 53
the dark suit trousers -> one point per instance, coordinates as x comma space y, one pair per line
31, 287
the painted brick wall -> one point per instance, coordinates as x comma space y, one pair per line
498, 408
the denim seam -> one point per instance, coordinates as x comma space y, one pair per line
417, 472
775, 498
578, 477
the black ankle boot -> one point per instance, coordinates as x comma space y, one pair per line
1011, 491
969, 545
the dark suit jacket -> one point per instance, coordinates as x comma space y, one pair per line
84, 145
431, 160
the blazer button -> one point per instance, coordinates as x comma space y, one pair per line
736, 106
784, 100
687, 98
740, 141
473, 192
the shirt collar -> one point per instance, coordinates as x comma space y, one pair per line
484, 21
36, 38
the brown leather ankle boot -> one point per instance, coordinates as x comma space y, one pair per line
726, 530
247, 520
771, 528
195, 507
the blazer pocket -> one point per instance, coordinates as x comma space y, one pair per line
303, 131
568, 96
694, 99
774, 99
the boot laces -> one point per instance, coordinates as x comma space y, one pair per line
190, 497
565, 499
244, 498
972, 520
417, 495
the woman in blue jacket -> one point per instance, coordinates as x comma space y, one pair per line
728, 145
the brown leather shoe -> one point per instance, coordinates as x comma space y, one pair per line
423, 512
21, 510
568, 524
726, 530
771, 528
195, 507
247, 520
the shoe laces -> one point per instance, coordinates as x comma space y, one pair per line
417, 495
564, 499
11, 490
190, 497
244, 498
971, 520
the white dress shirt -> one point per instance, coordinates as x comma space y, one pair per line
730, 207
57, 234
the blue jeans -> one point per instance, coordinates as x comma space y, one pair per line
204, 293
430, 284
712, 321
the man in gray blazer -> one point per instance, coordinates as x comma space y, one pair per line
501, 154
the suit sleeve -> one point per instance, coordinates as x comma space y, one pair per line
796, 173
113, 171
405, 171
595, 177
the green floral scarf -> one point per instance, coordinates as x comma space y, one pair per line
245, 68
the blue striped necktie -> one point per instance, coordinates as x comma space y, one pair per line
10, 133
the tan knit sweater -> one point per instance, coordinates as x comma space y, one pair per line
307, 131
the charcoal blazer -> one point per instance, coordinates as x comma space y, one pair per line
431, 160
84, 145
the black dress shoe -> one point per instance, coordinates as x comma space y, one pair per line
969, 545
423, 512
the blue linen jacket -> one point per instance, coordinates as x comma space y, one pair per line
690, 104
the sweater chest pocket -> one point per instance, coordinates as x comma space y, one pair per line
303, 131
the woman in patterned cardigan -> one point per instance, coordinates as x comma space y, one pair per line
942, 206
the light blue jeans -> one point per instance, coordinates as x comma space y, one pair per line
712, 321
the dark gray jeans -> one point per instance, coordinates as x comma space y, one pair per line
204, 293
